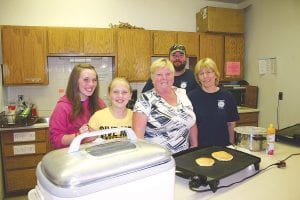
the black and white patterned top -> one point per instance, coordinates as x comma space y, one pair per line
167, 125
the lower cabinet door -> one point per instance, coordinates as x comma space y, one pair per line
20, 180
21, 162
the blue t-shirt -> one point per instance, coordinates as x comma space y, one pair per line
213, 111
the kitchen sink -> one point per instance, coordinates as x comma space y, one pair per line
42, 120
23, 122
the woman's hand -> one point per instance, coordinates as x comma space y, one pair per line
83, 129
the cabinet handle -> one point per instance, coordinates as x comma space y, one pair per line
33, 80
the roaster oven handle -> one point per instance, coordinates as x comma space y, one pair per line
74, 147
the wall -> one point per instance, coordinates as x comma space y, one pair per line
150, 14
272, 30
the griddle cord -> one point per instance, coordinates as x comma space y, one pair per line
196, 181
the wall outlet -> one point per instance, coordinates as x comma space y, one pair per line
280, 96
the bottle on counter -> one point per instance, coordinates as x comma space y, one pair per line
270, 140
20, 104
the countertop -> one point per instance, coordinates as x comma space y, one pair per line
242, 109
274, 183
38, 125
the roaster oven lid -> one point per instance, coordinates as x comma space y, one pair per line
101, 161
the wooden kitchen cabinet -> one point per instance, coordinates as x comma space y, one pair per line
163, 40
234, 53
22, 150
212, 46
191, 42
248, 119
224, 49
63, 40
24, 55
134, 54
81, 41
98, 41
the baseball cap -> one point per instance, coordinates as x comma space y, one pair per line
177, 47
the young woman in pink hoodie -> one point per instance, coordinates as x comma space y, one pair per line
74, 109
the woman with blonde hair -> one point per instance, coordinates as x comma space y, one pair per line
215, 108
164, 114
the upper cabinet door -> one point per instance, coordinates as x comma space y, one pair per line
98, 41
212, 46
191, 42
35, 54
64, 40
12, 55
234, 57
162, 41
133, 58
24, 55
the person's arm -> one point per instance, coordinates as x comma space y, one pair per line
67, 139
58, 127
61, 135
139, 122
193, 136
231, 126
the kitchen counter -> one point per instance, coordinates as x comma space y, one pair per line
242, 109
274, 183
34, 126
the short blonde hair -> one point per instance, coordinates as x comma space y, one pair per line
206, 63
161, 63
119, 80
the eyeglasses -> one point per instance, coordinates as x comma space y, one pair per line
207, 73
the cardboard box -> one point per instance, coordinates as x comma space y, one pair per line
221, 20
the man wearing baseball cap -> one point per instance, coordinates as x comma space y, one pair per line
184, 78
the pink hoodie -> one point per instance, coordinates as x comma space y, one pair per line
60, 123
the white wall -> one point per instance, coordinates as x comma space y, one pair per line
150, 14
273, 30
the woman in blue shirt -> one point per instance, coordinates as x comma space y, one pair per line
215, 108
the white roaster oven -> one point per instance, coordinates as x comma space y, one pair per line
120, 169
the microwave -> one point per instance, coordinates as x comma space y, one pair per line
244, 95
239, 94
